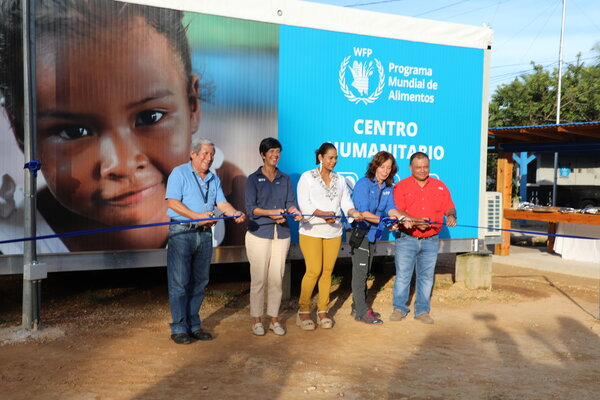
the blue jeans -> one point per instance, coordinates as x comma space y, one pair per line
414, 255
189, 253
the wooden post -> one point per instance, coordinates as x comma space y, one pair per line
550, 243
504, 184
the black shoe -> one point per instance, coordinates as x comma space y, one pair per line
181, 338
369, 318
201, 335
374, 313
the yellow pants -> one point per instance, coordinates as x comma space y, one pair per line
319, 256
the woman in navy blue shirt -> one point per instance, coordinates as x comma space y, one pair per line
268, 194
373, 198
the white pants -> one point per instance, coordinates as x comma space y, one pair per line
267, 265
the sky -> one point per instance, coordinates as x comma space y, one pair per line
524, 30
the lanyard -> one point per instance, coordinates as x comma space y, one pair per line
378, 231
379, 200
204, 195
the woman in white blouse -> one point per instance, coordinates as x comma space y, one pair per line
323, 193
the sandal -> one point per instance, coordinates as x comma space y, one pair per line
305, 324
326, 322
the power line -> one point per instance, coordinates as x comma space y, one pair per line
542, 61
540, 30
478, 9
525, 26
372, 3
496, 12
587, 16
441, 8
517, 74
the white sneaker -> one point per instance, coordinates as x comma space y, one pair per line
277, 328
258, 329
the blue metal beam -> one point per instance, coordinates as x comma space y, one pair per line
562, 147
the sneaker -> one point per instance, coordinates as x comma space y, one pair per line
369, 318
277, 328
258, 329
397, 315
424, 318
375, 313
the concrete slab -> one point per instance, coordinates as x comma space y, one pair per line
538, 258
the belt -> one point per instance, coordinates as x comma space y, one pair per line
423, 238
417, 237
194, 225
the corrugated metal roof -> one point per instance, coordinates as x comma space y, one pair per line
534, 137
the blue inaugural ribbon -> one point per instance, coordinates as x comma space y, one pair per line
383, 223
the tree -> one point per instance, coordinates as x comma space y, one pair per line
531, 98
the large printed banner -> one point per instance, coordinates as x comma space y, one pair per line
367, 94
117, 110
120, 97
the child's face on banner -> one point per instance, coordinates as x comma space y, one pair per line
114, 117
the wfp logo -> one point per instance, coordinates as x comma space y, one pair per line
362, 70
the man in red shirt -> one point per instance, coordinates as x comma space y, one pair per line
426, 201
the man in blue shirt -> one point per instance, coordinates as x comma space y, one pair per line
192, 193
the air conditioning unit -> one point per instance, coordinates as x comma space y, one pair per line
493, 216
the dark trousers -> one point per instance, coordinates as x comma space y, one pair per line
361, 266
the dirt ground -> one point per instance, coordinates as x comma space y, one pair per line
105, 336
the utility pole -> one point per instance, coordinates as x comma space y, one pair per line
558, 94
